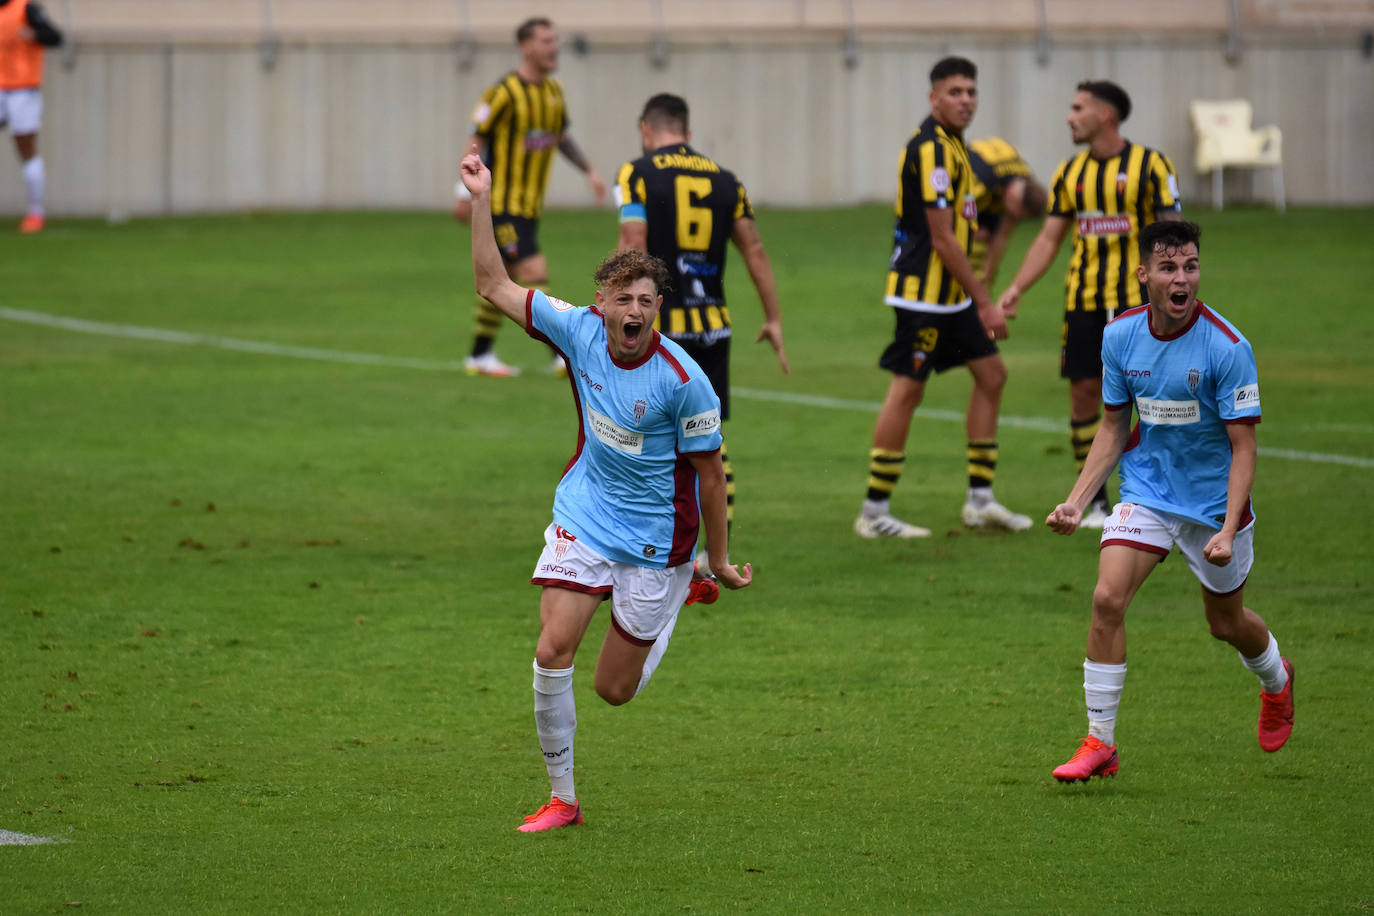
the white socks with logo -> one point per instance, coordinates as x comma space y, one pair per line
1268, 667
555, 720
1102, 691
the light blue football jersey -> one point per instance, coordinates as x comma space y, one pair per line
629, 492
1185, 389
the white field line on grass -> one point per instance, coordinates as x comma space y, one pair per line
10, 838
163, 335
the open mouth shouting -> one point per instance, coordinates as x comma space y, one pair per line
629, 313
632, 330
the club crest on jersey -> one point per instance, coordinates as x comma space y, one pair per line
1194, 377
640, 406
1121, 179
650, 551
970, 210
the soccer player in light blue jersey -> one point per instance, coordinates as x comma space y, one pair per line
1186, 473
647, 475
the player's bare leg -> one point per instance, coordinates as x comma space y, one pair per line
26, 145
1234, 623
981, 509
619, 667
563, 619
1121, 571
875, 520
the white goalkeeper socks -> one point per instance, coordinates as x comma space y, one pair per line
1102, 691
555, 720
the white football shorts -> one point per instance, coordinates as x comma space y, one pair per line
21, 110
1134, 525
644, 601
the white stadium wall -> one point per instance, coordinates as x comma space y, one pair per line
189, 125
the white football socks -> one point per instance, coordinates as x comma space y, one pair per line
1268, 667
555, 720
873, 508
34, 181
1102, 691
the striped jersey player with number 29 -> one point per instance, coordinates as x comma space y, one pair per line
646, 474
1186, 473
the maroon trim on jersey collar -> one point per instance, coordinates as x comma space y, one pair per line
655, 344
1197, 313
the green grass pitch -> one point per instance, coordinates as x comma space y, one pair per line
265, 626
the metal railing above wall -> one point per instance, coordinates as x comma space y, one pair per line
658, 25
617, 21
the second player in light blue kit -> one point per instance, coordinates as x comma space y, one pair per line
1186, 473
646, 477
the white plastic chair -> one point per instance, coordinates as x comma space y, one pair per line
1225, 138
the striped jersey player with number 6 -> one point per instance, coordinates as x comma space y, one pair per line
684, 209
646, 474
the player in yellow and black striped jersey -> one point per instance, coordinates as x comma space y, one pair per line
944, 315
685, 209
1006, 192
518, 125
1106, 194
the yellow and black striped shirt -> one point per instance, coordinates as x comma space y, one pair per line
995, 163
933, 173
522, 124
689, 205
1109, 200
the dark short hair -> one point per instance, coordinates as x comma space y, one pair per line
666, 110
953, 66
1168, 235
526, 28
1110, 93
1034, 197
622, 268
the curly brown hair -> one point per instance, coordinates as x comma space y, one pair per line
625, 267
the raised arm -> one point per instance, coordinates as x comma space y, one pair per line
488, 270
1038, 259
1106, 450
745, 235
462, 198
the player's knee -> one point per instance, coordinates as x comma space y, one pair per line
615, 692
548, 654
1109, 605
1222, 628
994, 376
